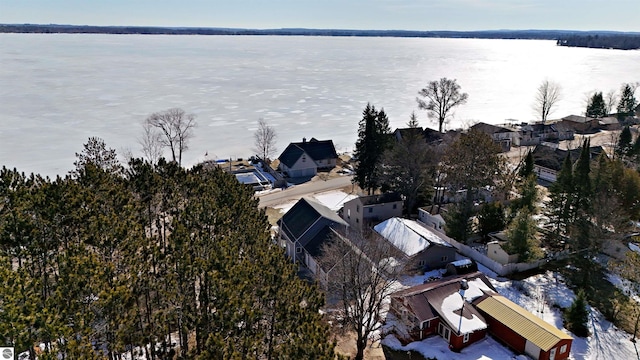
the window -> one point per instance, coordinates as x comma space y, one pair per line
465, 338
422, 263
395, 206
348, 213
425, 324
563, 349
370, 210
357, 208
299, 250
444, 258
357, 220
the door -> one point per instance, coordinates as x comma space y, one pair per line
444, 331
552, 354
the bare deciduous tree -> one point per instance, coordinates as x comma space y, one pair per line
361, 275
547, 97
176, 129
264, 140
610, 101
151, 143
440, 99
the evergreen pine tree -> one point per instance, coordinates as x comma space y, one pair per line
527, 166
577, 316
522, 237
562, 195
491, 218
373, 140
628, 102
596, 107
624, 146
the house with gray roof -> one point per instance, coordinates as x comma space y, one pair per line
502, 136
306, 158
547, 160
536, 133
305, 228
419, 247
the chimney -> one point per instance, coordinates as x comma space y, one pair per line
304, 140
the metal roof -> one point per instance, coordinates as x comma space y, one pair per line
539, 332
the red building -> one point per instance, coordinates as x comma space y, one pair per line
523, 331
438, 308
461, 309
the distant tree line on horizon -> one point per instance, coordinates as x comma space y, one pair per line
619, 41
151, 30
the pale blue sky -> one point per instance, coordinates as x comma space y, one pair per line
619, 15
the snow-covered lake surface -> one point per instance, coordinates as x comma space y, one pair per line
59, 89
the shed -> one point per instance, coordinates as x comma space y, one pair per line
461, 267
523, 331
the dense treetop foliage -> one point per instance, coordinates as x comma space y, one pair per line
102, 262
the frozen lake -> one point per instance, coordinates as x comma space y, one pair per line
57, 90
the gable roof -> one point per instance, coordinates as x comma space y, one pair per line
298, 223
552, 158
408, 235
401, 133
316, 149
541, 333
290, 155
578, 119
442, 298
490, 129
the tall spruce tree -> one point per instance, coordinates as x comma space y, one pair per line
628, 102
522, 237
373, 141
577, 315
596, 106
562, 198
582, 178
624, 146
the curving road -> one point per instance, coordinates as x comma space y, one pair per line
298, 191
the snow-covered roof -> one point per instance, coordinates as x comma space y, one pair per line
450, 309
477, 288
461, 262
408, 235
445, 298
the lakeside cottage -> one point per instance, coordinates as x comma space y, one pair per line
306, 158
502, 136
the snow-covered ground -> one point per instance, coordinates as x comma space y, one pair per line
542, 295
